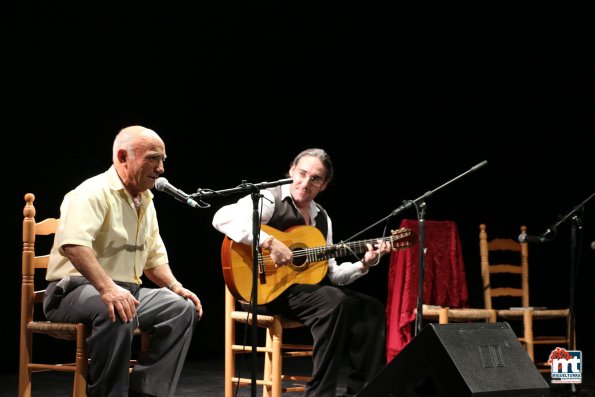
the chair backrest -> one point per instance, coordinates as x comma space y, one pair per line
32, 261
504, 270
33, 267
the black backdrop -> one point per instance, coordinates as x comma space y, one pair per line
402, 100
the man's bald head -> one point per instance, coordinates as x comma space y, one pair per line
129, 136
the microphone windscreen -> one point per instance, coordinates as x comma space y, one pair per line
161, 183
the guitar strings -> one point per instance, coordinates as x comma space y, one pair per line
312, 253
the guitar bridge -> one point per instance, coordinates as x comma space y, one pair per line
261, 272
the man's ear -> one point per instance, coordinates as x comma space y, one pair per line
122, 155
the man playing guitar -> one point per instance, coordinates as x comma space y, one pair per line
341, 321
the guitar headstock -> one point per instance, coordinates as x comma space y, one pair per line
403, 238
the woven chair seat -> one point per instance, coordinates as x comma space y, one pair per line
65, 331
469, 314
264, 320
432, 312
516, 314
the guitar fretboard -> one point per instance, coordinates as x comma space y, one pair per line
344, 249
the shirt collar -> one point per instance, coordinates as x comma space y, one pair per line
115, 183
286, 193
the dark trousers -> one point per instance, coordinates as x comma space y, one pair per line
345, 325
167, 317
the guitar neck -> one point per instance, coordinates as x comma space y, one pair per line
344, 249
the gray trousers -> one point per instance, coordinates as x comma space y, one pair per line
168, 318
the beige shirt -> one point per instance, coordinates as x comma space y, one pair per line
101, 215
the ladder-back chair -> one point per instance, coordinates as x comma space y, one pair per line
505, 281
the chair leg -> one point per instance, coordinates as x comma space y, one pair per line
82, 363
25, 359
493, 316
571, 346
443, 315
229, 355
267, 375
273, 360
528, 333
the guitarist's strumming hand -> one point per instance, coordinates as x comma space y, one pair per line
373, 255
280, 253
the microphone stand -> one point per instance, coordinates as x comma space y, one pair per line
254, 190
575, 225
420, 205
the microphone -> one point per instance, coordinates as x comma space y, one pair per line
163, 185
525, 238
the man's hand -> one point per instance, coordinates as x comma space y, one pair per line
280, 253
120, 300
373, 255
179, 289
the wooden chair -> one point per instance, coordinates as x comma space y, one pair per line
274, 382
32, 320
506, 280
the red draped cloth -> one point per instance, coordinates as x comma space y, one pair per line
444, 281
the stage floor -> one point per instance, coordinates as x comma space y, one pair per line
204, 378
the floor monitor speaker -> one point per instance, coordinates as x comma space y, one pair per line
463, 359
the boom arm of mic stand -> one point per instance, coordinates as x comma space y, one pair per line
244, 187
568, 215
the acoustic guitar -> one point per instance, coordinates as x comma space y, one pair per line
309, 266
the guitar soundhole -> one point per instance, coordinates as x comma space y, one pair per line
300, 259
